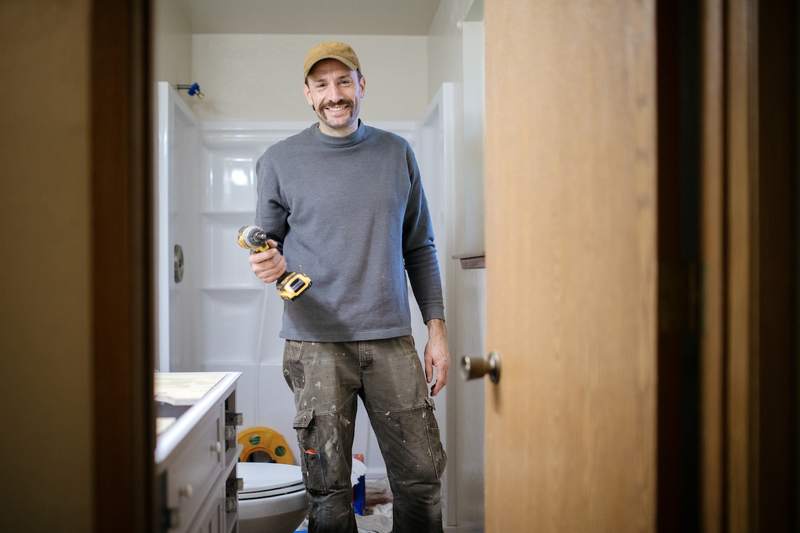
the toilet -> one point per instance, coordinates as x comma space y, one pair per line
273, 499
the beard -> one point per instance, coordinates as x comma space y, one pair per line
341, 120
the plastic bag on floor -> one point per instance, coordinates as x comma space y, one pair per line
377, 522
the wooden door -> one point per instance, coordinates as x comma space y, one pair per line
571, 259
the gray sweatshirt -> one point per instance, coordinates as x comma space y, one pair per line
350, 212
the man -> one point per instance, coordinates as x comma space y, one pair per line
345, 205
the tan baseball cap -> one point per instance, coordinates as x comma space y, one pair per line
331, 50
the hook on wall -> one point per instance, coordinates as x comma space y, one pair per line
193, 89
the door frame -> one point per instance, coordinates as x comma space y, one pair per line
749, 407
122, 285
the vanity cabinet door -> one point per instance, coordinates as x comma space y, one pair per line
197, 468
211, 516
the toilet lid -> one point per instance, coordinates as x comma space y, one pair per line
262, 480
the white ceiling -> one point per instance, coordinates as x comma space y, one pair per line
369, 17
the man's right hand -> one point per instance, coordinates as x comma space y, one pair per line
268, 266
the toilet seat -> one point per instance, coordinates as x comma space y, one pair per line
268, 480
273, 498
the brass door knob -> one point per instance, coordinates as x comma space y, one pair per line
477, 367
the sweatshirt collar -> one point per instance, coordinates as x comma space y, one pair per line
349, 140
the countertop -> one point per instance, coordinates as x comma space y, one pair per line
182, 399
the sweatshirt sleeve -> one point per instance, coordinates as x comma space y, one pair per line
419, 250
271, 207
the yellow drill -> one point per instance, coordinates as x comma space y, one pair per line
291, 284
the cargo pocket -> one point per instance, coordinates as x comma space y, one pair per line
434, 440
313, 463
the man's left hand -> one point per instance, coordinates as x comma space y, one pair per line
436, 355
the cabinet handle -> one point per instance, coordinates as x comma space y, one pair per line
186, 491
172, 518
177, 263
230, 504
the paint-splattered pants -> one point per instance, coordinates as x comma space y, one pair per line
326, 378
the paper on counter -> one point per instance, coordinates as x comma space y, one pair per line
184, 388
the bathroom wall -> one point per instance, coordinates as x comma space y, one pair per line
172, 45
444, 43
455, 52
404, 75
45, 300
259, 77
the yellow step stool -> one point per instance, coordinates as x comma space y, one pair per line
263, 444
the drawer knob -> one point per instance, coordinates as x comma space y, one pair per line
172, 518
216, 447
186, 491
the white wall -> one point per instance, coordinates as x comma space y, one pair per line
172, 50
444, 44
456, 56
260, 77
470, 194
449, 37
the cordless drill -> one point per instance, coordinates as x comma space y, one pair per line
291, 284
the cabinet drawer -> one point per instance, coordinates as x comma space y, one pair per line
196, 467
210, 518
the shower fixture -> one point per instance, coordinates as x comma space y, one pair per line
193, 89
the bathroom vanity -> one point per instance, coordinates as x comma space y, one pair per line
196, 451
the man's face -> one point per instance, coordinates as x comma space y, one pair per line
335, 92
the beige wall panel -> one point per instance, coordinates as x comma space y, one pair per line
260, 77
172, 42
45, 352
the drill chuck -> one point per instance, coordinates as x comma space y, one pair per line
253, 238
